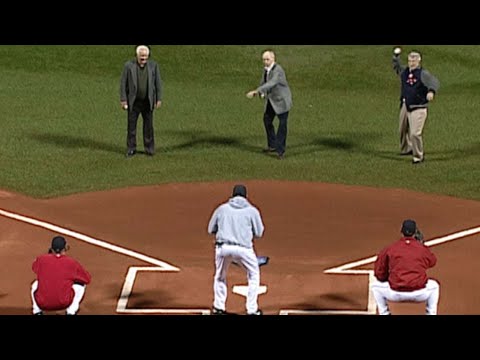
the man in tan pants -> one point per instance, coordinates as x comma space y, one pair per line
418, 89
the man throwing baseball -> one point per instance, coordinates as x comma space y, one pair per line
278, 102
401, 271
418, 90
235, 224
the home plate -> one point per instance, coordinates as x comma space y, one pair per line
243, 289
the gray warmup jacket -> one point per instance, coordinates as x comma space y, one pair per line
236, 222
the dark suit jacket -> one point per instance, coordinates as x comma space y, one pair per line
128, 83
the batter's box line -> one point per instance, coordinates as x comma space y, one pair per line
348, 269
127, 292
128, 285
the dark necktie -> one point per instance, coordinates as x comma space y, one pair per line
265, 74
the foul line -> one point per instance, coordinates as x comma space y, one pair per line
346, 269
103, 244
127, 291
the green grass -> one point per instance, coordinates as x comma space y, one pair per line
63, 132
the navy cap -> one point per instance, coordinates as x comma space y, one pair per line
58, 244
239, 190
409, 227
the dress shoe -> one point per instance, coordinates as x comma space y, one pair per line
130, 153
269, 150
258, 312
149, 153
415, 162
281, 156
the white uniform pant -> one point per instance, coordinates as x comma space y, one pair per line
74, 306
430, 294
246, 259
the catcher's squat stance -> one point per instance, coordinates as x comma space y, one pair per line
235, 224
401, 270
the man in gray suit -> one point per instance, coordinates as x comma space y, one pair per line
278, 102
141, 93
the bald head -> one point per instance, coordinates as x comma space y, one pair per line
268, 58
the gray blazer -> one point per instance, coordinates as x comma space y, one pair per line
276, 90
128, 83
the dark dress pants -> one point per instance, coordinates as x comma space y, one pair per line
276, 141
134, 112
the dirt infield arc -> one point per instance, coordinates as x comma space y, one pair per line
320, 237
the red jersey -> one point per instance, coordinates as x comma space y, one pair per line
404, 264
56, 274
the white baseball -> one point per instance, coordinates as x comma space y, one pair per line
249, 96
125, 107
397, 51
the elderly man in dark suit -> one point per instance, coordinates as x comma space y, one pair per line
141, 93
278, 102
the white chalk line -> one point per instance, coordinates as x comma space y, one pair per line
127, 291
99, 243
346, 269
130, 278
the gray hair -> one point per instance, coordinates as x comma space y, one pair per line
141, 48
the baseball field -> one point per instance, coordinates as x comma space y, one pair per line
340, 195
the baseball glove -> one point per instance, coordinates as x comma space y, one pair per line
419, 236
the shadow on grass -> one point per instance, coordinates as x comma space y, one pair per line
76, 142
199, 139
346, 142
341, 142
334, 143
202, 140
471, 150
